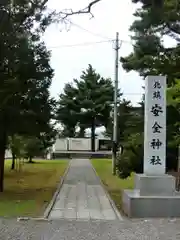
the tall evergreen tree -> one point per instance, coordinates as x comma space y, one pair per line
123, 116
86, 103
173, 99
95, 96
25, 72
67, 111
151, 56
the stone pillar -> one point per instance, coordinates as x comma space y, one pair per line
155, 125
154, 194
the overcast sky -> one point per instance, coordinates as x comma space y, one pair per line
70, 56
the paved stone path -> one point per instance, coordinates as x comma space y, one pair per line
82, 196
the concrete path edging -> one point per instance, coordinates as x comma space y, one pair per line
52, 202
108, 196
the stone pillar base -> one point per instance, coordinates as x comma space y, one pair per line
153, 196
163, 185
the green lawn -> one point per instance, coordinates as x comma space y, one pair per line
113, 184
27, 192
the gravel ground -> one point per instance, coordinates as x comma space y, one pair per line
90, 230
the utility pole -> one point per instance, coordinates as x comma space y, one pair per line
117, 47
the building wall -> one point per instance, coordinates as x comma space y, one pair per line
74, 144
61, 144
81, 144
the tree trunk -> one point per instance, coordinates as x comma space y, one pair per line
13, 161
82, 132
2, 159
71, 131
93, 128
30, 160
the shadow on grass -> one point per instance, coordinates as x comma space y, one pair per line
18, 174
26, 194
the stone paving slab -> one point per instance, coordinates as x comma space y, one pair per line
82, 196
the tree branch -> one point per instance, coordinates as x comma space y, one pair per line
87, 10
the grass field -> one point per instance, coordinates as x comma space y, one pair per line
27, 192
113, 184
